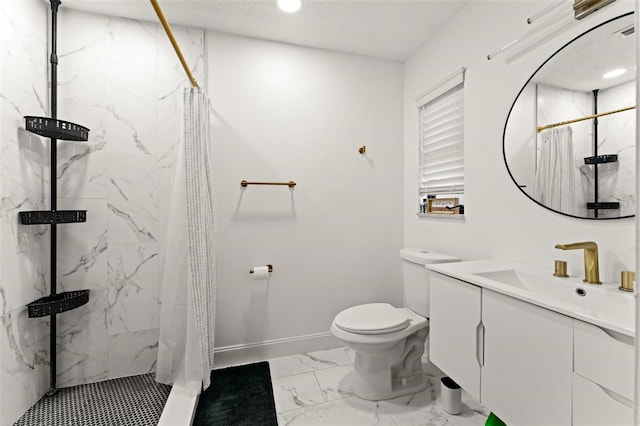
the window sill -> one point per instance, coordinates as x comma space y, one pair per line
441, 216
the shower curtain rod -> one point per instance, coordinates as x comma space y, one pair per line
589, 117
173, 41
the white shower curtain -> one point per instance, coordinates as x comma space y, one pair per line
188, 297
554, 174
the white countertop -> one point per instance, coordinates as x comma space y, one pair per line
603, 305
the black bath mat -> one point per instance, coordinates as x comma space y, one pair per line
240, 395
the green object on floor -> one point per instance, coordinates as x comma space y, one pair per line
493, 420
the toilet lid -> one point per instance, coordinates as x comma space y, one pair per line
372, 318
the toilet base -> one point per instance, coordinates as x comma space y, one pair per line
397, 373
364, 390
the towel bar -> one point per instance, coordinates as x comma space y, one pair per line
290, 184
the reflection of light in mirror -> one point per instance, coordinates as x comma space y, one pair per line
615, 73
289, 6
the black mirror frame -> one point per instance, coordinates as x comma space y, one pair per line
504, 132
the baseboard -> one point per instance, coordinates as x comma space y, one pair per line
260, 351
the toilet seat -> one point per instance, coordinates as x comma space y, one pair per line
372, 318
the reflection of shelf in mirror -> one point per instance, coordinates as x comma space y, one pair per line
600, 159
603, 206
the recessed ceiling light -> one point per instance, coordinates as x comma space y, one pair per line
289, 6
615, 73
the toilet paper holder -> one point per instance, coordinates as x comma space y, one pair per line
268, 266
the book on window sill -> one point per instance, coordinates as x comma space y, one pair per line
442, 206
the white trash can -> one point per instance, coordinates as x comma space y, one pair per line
451, 396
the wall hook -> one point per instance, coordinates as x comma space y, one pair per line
363, 149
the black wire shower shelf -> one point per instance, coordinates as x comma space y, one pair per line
57, 303
604, 206
601, 159
56, 129
48, 217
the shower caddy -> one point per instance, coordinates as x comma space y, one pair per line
55, 130
599, 159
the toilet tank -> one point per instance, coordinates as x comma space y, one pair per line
415, 277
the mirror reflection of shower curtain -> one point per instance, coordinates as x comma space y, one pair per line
188, 295
554, 173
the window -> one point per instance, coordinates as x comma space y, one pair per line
441, 146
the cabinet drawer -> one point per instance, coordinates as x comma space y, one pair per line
604, 357
594, 406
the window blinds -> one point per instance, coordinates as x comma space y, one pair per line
441, 114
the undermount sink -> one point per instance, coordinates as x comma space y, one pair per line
595, 300
535, 281
507, 276
570, 290
561, 289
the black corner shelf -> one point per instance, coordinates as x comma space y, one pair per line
57, 303
56, 129
48, 217
603, 206
601, 159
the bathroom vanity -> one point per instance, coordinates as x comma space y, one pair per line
534, 348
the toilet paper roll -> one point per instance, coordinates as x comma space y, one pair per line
260, 273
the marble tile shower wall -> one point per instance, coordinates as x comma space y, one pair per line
23, 176
616, 135
121, 79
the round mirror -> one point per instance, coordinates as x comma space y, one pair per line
569, 140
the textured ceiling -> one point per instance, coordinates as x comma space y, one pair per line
388, 29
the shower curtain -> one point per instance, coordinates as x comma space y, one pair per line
554, 174
188, 295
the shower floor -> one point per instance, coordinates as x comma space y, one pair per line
135, 400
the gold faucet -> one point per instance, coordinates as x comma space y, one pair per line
591, 271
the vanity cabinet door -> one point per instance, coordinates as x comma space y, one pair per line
453, 330
528, 362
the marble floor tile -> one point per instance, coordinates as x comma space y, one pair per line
424, 408
303, 363
293, 392
314, 389
351, 411
335, 382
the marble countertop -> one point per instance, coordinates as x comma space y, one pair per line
603, 305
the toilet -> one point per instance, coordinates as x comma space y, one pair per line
389, 342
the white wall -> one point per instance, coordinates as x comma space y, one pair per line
499, 220
284, 113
